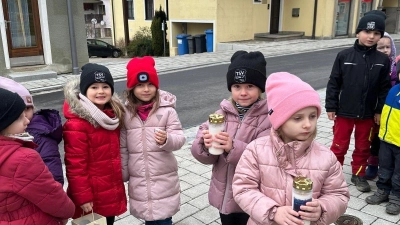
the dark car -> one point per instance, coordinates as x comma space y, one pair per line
102, 49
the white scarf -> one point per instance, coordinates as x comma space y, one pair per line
22, 136
105, 121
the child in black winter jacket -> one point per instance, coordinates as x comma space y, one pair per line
356, 93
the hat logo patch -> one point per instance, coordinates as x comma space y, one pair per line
99, 77
28, 99
143, 77
240, 76
371, 25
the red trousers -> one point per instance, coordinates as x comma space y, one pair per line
363, 134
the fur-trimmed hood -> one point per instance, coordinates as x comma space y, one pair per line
73, 108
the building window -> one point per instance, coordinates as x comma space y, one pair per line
149, 9
102, 10
257, 1
88, 6
131, 14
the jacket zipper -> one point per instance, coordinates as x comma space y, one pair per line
146, 161
387, 118
228, 182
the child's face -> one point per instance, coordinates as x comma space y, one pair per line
384, 46
29, 112
300, 126
145, 92
368, 38
99, 94
245, 94
18, 126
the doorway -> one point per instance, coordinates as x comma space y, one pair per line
23, 30
342, 17
275, 11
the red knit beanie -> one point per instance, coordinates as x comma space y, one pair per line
287, 94
141, 70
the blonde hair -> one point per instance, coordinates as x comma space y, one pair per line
132, 102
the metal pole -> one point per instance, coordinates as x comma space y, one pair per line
163, 32
75, 68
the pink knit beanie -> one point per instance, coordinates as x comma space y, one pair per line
287, 94
16, 87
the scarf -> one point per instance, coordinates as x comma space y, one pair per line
243, 110
144, 110
22, 136
99, 116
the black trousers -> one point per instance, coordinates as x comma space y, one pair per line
234, 219
375, 145
110, 220
389, 169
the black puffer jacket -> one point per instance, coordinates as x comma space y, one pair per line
359, 82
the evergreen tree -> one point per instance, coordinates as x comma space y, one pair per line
157, 34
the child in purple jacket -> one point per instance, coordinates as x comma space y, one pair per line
45, 127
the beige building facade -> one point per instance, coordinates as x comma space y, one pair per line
238, 20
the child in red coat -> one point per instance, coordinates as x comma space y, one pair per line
91, 144
28, 192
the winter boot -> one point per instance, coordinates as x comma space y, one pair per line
372, 169
378, 197
361, 183
393, 207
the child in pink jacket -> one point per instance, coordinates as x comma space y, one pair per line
246, 118
152, 131
263, 180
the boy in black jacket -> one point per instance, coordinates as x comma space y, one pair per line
356, 92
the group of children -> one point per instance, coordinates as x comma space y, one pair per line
267, 142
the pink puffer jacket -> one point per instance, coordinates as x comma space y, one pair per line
264, 176
152, 170
255, 124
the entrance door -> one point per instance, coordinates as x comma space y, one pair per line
22, 27
275, 10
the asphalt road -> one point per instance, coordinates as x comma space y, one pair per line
199, 91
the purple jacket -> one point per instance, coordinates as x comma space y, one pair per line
46, 128
254, 124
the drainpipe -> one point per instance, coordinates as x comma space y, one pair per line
314, 19
75, 68
113, 18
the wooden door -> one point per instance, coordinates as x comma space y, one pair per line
22, 27
275, 10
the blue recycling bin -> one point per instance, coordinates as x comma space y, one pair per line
209, 40
182, 44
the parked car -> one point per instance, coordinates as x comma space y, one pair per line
102, 49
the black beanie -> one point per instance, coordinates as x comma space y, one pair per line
247, 67
372, 20
95, 73
11, 107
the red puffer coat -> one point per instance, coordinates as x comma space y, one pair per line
28, 192
92, 159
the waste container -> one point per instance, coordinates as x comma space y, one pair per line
182, 44
200, 40
209, 40
191, 44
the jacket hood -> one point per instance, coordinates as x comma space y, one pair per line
167, 99
73, 108
393, 49
290, 152
46, 122
9, 145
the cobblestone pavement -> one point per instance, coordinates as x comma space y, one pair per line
195, 180
194, 176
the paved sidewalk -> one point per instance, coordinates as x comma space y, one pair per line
195, 177
190, 61
195, 180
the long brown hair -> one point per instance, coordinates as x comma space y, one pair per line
132, 102
116, 105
